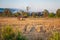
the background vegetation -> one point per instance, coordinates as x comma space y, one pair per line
8, 13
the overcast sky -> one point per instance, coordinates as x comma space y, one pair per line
35, 5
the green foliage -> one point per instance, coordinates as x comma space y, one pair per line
25, 14
51, 15
17, 14
55, 36
9, 34
20, 37
8, 13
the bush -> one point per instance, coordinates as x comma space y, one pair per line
51, 15
9, 34
55, 36
20, 37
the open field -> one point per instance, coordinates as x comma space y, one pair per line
25, 26
47, 23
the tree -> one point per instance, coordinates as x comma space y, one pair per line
17, 14
45, 13
51, 15
39, 14
7, 12
27, 8
33, 14
58, 13
25, 14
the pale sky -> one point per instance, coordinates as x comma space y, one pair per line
35, 5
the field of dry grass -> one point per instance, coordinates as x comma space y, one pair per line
37, 22
48, 24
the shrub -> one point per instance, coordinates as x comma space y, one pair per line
55, 36
51, 15
20, 37
9, 34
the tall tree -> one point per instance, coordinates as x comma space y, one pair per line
7, 12
27, 8
33, 14
58, 13
45, 13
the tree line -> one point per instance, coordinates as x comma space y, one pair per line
8, 13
